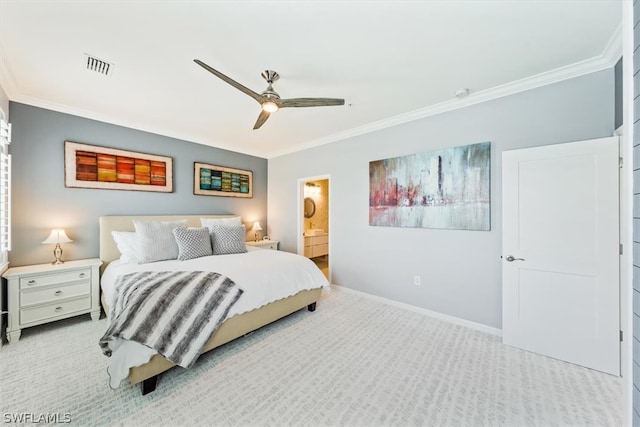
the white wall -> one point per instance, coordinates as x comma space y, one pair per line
461, 270
4, 104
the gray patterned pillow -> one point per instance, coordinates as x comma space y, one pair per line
192, 242
156, 241
228, 240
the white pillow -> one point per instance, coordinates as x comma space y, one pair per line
221, 222
127, 243
156, 241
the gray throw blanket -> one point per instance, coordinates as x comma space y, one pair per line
172, 312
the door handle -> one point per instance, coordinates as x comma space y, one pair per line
511, 258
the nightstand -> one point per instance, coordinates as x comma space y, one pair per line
264, 244
44, 293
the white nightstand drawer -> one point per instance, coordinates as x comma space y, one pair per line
48, 295
264, 244
270, 245
44, 293
35, 314
54, 278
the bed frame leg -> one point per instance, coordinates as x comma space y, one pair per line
312, 307
149, 385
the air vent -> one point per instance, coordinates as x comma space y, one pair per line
99, 65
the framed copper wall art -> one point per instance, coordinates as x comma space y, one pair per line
92, 166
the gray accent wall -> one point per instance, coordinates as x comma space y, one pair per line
41, 201
460, 270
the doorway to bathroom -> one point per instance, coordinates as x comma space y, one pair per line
313, 223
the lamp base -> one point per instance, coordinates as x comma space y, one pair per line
57, 252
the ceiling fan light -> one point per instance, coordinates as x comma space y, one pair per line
270, 107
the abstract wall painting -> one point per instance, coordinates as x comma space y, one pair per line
212, 180
91, 166
448, 189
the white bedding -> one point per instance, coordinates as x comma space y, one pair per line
264, 275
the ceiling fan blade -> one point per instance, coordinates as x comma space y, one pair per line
310, 102
264, 115
229, 80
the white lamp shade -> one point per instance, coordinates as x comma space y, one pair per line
256, 226
57, 236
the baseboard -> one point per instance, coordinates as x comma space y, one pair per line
447, 318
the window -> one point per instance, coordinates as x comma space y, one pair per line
5, 194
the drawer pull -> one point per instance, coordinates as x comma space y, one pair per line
58, 309
58, 293
82, 274
31, 282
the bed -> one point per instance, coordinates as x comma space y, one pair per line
244, 317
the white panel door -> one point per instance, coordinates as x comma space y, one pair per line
560, 275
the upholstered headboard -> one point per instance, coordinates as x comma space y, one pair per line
108, 249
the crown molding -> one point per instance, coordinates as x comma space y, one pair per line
66, 109
613, 51
607, 59
8, 83
610, 55
10, 86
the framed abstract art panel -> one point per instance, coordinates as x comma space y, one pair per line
213, 180
92, 166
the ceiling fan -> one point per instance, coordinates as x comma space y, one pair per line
269, 99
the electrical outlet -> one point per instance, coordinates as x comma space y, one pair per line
417, 281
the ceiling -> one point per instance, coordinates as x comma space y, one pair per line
392, 61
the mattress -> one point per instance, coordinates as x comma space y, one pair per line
264, 275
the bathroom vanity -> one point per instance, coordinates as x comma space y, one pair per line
316, 243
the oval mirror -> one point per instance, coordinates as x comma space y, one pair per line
309, 207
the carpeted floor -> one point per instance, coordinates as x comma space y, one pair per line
355, 361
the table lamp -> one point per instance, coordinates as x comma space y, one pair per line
57, 236
256, 227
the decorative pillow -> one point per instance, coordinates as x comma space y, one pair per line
228, 240
192, 242
156, 241
127, 243
223, 222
